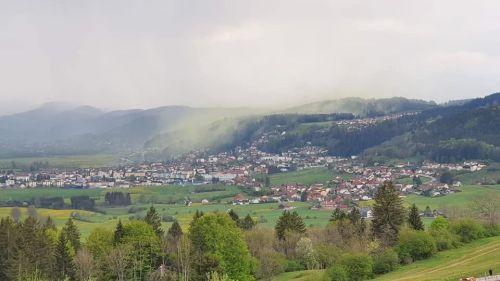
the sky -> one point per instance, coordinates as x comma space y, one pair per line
141, 54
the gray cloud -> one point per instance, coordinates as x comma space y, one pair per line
120, 54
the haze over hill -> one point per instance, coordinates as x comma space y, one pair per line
59, 128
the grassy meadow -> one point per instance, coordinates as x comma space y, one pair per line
169, 201
474, 259
72, 161
306, 176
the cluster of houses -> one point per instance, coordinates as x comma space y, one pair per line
352, 180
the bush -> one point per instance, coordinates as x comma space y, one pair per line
168, 218
445, 240
385, 261
336, 273
415, 245
468, 230
358, 266
492, 230
439, 224
294, 265
327, 255
270, 263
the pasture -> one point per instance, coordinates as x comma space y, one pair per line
71, 161
306, 176
474, 259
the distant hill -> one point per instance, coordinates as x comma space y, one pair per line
384, 130
59, 129
363, 107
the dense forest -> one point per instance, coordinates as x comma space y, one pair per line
445, 133
224, 246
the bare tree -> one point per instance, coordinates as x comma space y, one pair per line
487, 207
84, 265
117, 262
184, 257
15, 213
32, 212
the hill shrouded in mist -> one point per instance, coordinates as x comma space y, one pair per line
61, 129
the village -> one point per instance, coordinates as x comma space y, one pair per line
351, 181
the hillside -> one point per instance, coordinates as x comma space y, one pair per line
467, 130
363, 107
64, 129
473, 259
60, 129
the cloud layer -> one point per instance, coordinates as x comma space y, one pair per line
122, 54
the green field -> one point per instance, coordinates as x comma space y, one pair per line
74, 161
490, 174
461, 199
267, 214
157, 194
306, 176
474, 259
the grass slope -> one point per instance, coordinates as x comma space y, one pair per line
473, 259
461, 199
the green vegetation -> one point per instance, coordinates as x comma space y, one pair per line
461, 199
474, 259
307, 176
74, 161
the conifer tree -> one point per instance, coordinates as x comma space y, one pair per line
49, 224
414, 219
64, 259
175, 230
153, 219
291, 222
388, 213
234, 216
247, 223
338, 215
8, 237
72, 234
354, 216
118, 232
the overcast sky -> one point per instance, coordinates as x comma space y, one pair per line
121, 54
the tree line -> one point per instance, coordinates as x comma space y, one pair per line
225, 246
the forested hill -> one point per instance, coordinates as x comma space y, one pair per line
363, 107
469, 130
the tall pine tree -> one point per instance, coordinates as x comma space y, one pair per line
414, 220
64, 259
247, 223
289, 222
234, 216
153, 219
175, 230
72, 234
117, 237
388, 214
